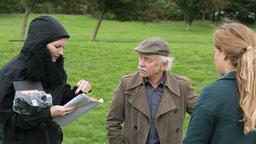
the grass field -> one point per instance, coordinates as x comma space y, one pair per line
105, 61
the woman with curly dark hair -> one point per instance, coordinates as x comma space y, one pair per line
40, 60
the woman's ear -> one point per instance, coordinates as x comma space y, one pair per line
225, 56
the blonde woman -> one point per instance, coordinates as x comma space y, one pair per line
226, 112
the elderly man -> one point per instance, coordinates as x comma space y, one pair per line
151, 103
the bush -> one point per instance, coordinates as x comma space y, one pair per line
167, 11
10, 6
142, 10
244, 12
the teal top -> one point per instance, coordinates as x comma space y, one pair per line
217, 117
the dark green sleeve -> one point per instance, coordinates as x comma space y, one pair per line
203, 118
200, 127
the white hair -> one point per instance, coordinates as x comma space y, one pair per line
167, 59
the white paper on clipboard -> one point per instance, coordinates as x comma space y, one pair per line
84, 104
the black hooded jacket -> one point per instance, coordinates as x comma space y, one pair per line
34, 63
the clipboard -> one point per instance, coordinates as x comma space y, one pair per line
84, 104
27, 85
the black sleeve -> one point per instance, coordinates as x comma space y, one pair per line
30, 121
6, 95
7, 115
2, 133
69, 93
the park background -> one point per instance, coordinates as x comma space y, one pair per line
102, 56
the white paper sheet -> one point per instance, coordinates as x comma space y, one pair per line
84, 104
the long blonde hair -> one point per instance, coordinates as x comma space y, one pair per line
238, 42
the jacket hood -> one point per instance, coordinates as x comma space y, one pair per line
42, 30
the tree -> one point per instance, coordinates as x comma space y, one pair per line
205, 7
190, 10
103, 6
222, 4
123, 10
219, 8
242, 10
27, 4
9, 6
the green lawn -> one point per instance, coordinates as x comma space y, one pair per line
104, 62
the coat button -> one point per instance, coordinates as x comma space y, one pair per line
177, 130
135, 127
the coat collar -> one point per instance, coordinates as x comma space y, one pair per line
135, 81
139, 98
229, 75
170, 82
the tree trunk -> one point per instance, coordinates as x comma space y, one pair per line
98, 25
188, 21
188, 26
25, 19
203, 15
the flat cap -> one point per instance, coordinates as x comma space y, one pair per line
153, 45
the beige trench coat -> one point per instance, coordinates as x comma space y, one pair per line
130, 107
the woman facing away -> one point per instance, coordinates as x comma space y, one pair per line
226, 111
40, 60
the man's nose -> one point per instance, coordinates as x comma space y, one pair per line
142, 62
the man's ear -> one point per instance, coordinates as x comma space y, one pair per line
163, 66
